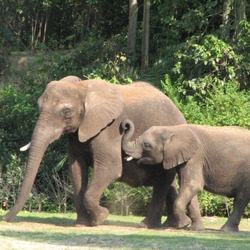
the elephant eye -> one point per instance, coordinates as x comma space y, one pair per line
146, 146
67, 113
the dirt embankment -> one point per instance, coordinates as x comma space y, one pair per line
12, 66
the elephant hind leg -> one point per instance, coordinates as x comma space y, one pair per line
164, 191
171, 221
232, 224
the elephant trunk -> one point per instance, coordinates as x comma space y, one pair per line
130, 147
41, 138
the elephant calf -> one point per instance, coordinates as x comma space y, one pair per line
214, 158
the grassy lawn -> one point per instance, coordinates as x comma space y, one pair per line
55, 231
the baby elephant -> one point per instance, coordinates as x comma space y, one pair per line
214, 158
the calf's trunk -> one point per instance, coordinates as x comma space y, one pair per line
130, 147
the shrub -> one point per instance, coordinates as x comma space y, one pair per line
224, 105
204, 63
17, 117
122, 199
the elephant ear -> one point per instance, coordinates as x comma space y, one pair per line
180, 146
103, 103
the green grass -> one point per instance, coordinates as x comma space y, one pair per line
56, 231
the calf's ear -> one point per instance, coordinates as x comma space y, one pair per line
180, 146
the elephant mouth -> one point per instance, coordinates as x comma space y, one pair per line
69, 129
140, 160
129, 157
146, 160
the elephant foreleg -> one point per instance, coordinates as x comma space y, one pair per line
190, 184
100, 181
79, 175
107, 168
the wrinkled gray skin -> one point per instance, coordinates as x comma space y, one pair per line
90, 113
214, 158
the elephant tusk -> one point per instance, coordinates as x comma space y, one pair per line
130, 158
26, 147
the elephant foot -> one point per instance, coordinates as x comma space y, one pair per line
183, 223
146, 223
82, 222
99, 216
170, 222
197, 226
177, 223
230, 228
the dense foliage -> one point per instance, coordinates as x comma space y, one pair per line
198, 55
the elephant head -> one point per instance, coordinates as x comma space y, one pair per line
170, 145
67, 106
141, 148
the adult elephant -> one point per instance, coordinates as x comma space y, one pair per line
213, 158
90, 112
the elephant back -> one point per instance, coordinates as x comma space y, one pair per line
147, 106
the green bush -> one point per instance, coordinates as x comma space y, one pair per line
211, 204
122, 199
202, 63
16, 120
224, 105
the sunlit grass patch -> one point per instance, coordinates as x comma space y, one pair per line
56, 231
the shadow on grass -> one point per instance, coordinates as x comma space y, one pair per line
132, 241
120, 223
66, 222
126, 237
63, 222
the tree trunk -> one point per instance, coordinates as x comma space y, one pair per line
34, 26
240, 15
227, 8
145, 34
133, 14
39, 35
33, 35
45, 26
